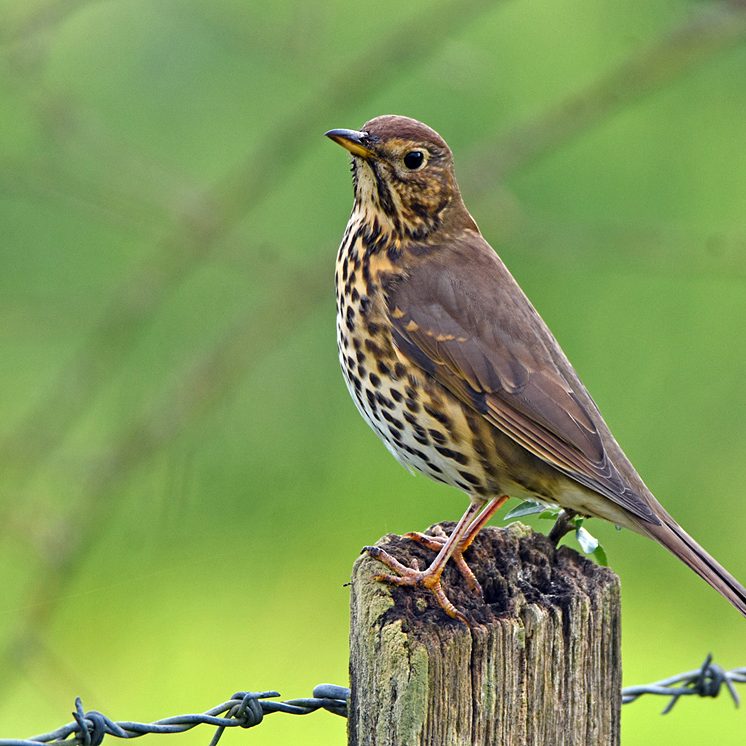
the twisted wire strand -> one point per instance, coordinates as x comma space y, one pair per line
243, 710
247, 709
706, 681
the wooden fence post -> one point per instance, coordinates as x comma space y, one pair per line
539, 665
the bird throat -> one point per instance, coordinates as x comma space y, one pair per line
403, 211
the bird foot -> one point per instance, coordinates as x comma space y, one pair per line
408, 576
436, 542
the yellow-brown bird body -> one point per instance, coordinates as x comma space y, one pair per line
453, 368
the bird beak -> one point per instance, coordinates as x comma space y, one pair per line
352, 140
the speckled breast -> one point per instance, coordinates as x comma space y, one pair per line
421, 424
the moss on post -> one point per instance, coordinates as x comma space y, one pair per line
539, 663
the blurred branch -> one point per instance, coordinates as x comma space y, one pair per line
40, 181
208, 218
208, 381
648, 249
710, 29
77, 160
40, 20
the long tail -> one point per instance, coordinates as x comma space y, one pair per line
678, 542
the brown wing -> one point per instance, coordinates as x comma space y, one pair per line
462, 318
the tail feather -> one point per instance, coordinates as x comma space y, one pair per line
679, 543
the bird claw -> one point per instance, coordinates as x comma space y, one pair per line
428, 580
435, 544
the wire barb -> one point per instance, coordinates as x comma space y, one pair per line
706, 681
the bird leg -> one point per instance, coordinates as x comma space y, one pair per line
429, 579
435, 543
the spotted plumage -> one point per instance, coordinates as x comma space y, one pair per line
456, 372
402, 406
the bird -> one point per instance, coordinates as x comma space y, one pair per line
453, 368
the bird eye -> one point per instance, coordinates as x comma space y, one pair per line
414, 159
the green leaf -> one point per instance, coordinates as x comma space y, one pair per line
577, 520
600, 556
527, 507
588, 542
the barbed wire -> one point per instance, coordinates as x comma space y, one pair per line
247, 709
706, 681
242, 710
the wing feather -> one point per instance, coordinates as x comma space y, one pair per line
461, 318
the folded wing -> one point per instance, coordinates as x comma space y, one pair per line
461, 317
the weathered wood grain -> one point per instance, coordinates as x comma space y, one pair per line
539, 664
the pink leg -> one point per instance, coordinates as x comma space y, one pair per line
429, 578
436, 543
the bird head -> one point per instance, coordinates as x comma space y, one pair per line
403, 176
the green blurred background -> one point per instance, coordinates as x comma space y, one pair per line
185, 482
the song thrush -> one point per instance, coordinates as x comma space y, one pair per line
454, 369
